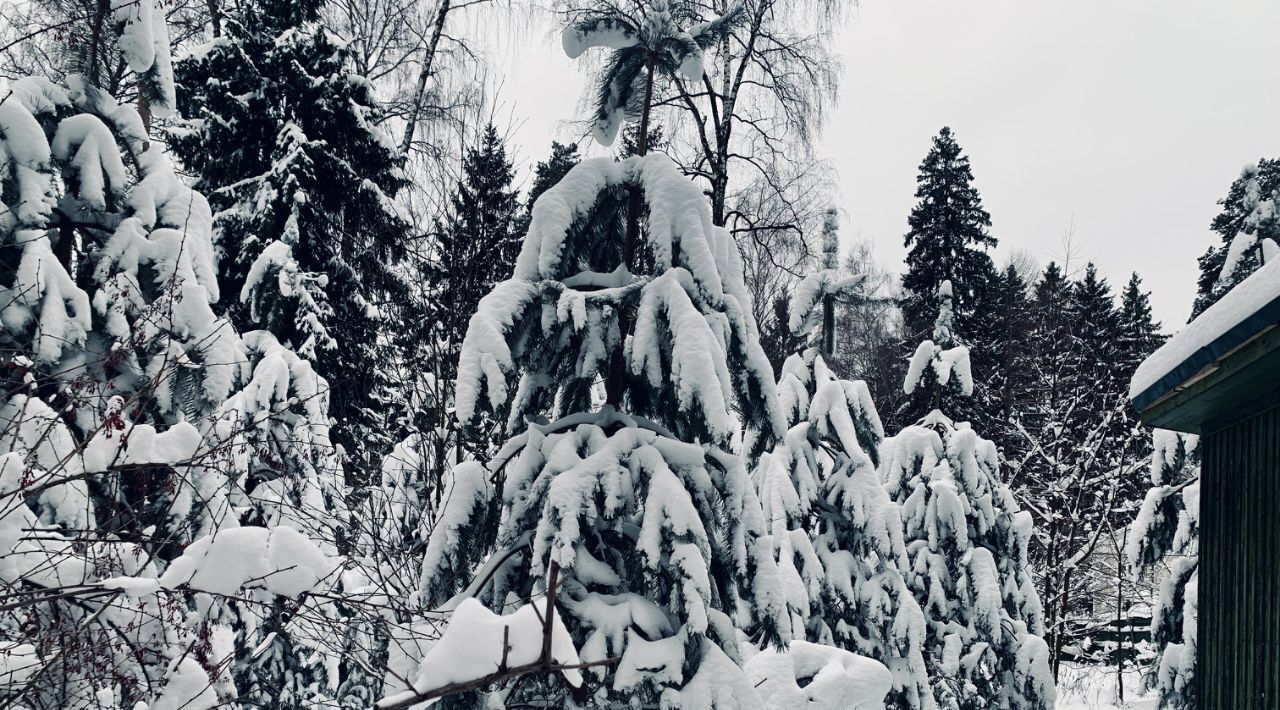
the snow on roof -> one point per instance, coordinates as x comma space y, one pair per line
1225, 326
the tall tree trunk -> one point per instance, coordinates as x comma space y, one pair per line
1059, 637
613, 385
420, 90
66, 241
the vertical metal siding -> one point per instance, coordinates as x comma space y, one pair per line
1239, 629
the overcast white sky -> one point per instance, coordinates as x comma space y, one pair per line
1126, 118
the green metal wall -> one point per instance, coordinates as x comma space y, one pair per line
1239, 631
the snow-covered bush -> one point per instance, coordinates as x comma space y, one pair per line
818, 677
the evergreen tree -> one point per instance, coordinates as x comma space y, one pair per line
948, 241
625, 505
282, 138
549, 172
546, 174
1083, 445
837, 536
476, 244
649, 43
1250, 216
1010, 371
966, 543
654, 140
1167, 531
939, 374
1095, 329
1139, 333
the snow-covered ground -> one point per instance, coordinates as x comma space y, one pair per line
1094, 688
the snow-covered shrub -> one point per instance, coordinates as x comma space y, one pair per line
818, 677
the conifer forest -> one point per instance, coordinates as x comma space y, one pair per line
477, 354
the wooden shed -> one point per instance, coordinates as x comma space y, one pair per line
1220, 378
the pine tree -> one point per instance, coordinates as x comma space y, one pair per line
1139, 333
626, 505
1250, 217
966, 542
837, 536
1097, 383
476, 243
1084, 445
474, 248
948, 241
655, 140
281, 135
939, 375
1167, 530
649, 44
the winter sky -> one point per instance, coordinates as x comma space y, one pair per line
1121, 121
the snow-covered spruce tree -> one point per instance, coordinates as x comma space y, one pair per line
966, 545
1249, 226
1167, 531
648, 513
278, 426
139, 420
280, 134
650, 41
837, 536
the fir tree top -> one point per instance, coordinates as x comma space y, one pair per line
948, 237
548, 172
1139, 330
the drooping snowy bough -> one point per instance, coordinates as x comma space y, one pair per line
648, 514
